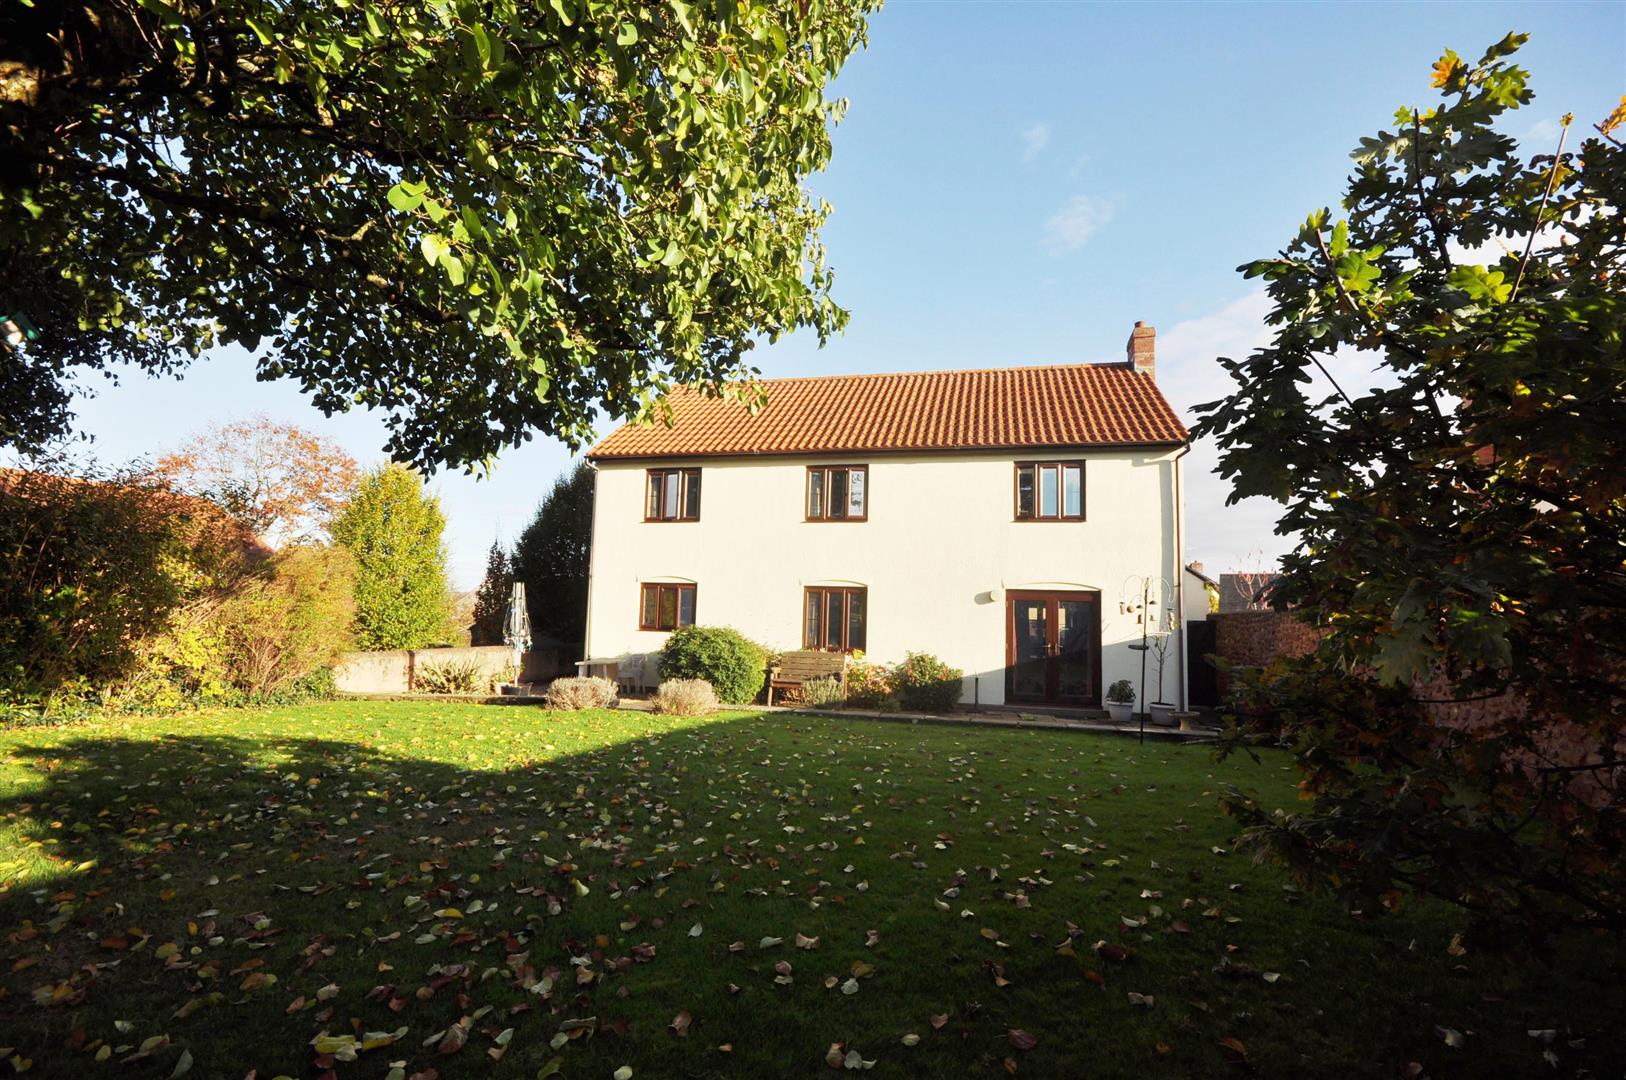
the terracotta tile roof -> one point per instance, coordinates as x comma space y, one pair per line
1070, 405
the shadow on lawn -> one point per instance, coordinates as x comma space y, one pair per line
189, 875
235, 897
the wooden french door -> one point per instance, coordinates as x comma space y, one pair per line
1053, 648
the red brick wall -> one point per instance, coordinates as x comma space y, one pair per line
1255, 638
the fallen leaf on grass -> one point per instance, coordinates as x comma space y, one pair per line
1021, 1040
680, 1023
456, 1036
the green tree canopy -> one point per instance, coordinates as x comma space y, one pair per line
553, 554
485, 218
393, 529
491, 599
1461, 526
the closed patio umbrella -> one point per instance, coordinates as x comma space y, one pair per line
517, 627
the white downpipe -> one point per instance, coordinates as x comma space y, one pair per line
1180, 575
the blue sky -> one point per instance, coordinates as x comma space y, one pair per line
1017, 183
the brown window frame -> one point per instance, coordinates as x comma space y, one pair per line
677, 588
823, 592
683, 508
824, 502
1060, 465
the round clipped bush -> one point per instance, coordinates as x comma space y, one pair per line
684, 697
732, 663
580, 692
924, 682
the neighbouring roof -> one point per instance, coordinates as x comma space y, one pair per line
1071, 405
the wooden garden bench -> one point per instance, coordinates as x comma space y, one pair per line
795, 668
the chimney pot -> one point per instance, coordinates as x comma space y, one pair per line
1141, 352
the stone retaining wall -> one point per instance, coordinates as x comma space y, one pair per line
394, 671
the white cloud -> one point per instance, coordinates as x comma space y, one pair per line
1241, 536
1073, 224
1540, 137
1034, 140
1222, 538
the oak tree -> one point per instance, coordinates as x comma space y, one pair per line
1460, 525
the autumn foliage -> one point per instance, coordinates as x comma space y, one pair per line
285, 483
119, 590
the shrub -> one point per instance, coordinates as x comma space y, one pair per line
578, 692
925, 682
685, 697
869, 685
289, 621
732, 663
822, 693
92, 569
1121, 693
452, 677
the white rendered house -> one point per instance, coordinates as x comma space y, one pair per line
1002, 519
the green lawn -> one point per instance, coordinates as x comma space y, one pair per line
228, 886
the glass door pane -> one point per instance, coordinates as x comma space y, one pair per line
1075, 650
1031, 641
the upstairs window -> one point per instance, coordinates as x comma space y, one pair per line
838, 493
673, 495
665, 607
835, 619
1050, 491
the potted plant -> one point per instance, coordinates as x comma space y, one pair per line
1162, 712
1121, 702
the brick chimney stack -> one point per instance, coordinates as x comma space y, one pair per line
1142, 350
